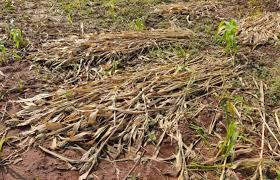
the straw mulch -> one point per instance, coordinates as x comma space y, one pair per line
113, 115
92, 50
257, 30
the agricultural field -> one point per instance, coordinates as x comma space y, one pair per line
139, 89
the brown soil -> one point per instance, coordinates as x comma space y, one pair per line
36, 164
21, 81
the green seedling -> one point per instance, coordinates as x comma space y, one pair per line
152, 136
68, 9
17, 37
228, 146
3, 52
181, 52
201, 133
274, 90
181, 68
3, 49
231, 137
278, 174
71, 8
226, 35
133, 176
20, 86
8, 5
111, 69
139, 24
110, 6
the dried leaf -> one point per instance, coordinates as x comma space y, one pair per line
52, 126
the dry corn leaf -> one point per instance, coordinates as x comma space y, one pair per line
52, 126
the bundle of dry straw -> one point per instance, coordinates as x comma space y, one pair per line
96, 49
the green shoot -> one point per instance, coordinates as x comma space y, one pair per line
110, 8
17, 37
231, 137
3, 52
181, 52
274, 90
226, 35
20, 86
227, 148
2, 48
201, 133
8, 5
152, 136
71, 8
278, 174
139, 24
180, 68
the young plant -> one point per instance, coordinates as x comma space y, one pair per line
152, 136
274, 90
226, 35
139, 24
3, 52
2, 48
200, 131
227, 148
17, 37
181, 52
73, 7
8, 5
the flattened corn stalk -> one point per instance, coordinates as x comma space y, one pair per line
96, 49
113, 115
260, 29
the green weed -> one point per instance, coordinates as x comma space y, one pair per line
17, 37
181, 52
152, 136
133, 176
201, 133
20, 86
138, 24
226, 35
8, 5
261, 71
274, 90
73, 7
3, 52
111, 6
181, 68
3, 49
278, 174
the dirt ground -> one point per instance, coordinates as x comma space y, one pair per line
42, 21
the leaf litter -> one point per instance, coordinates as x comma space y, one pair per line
260, 29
